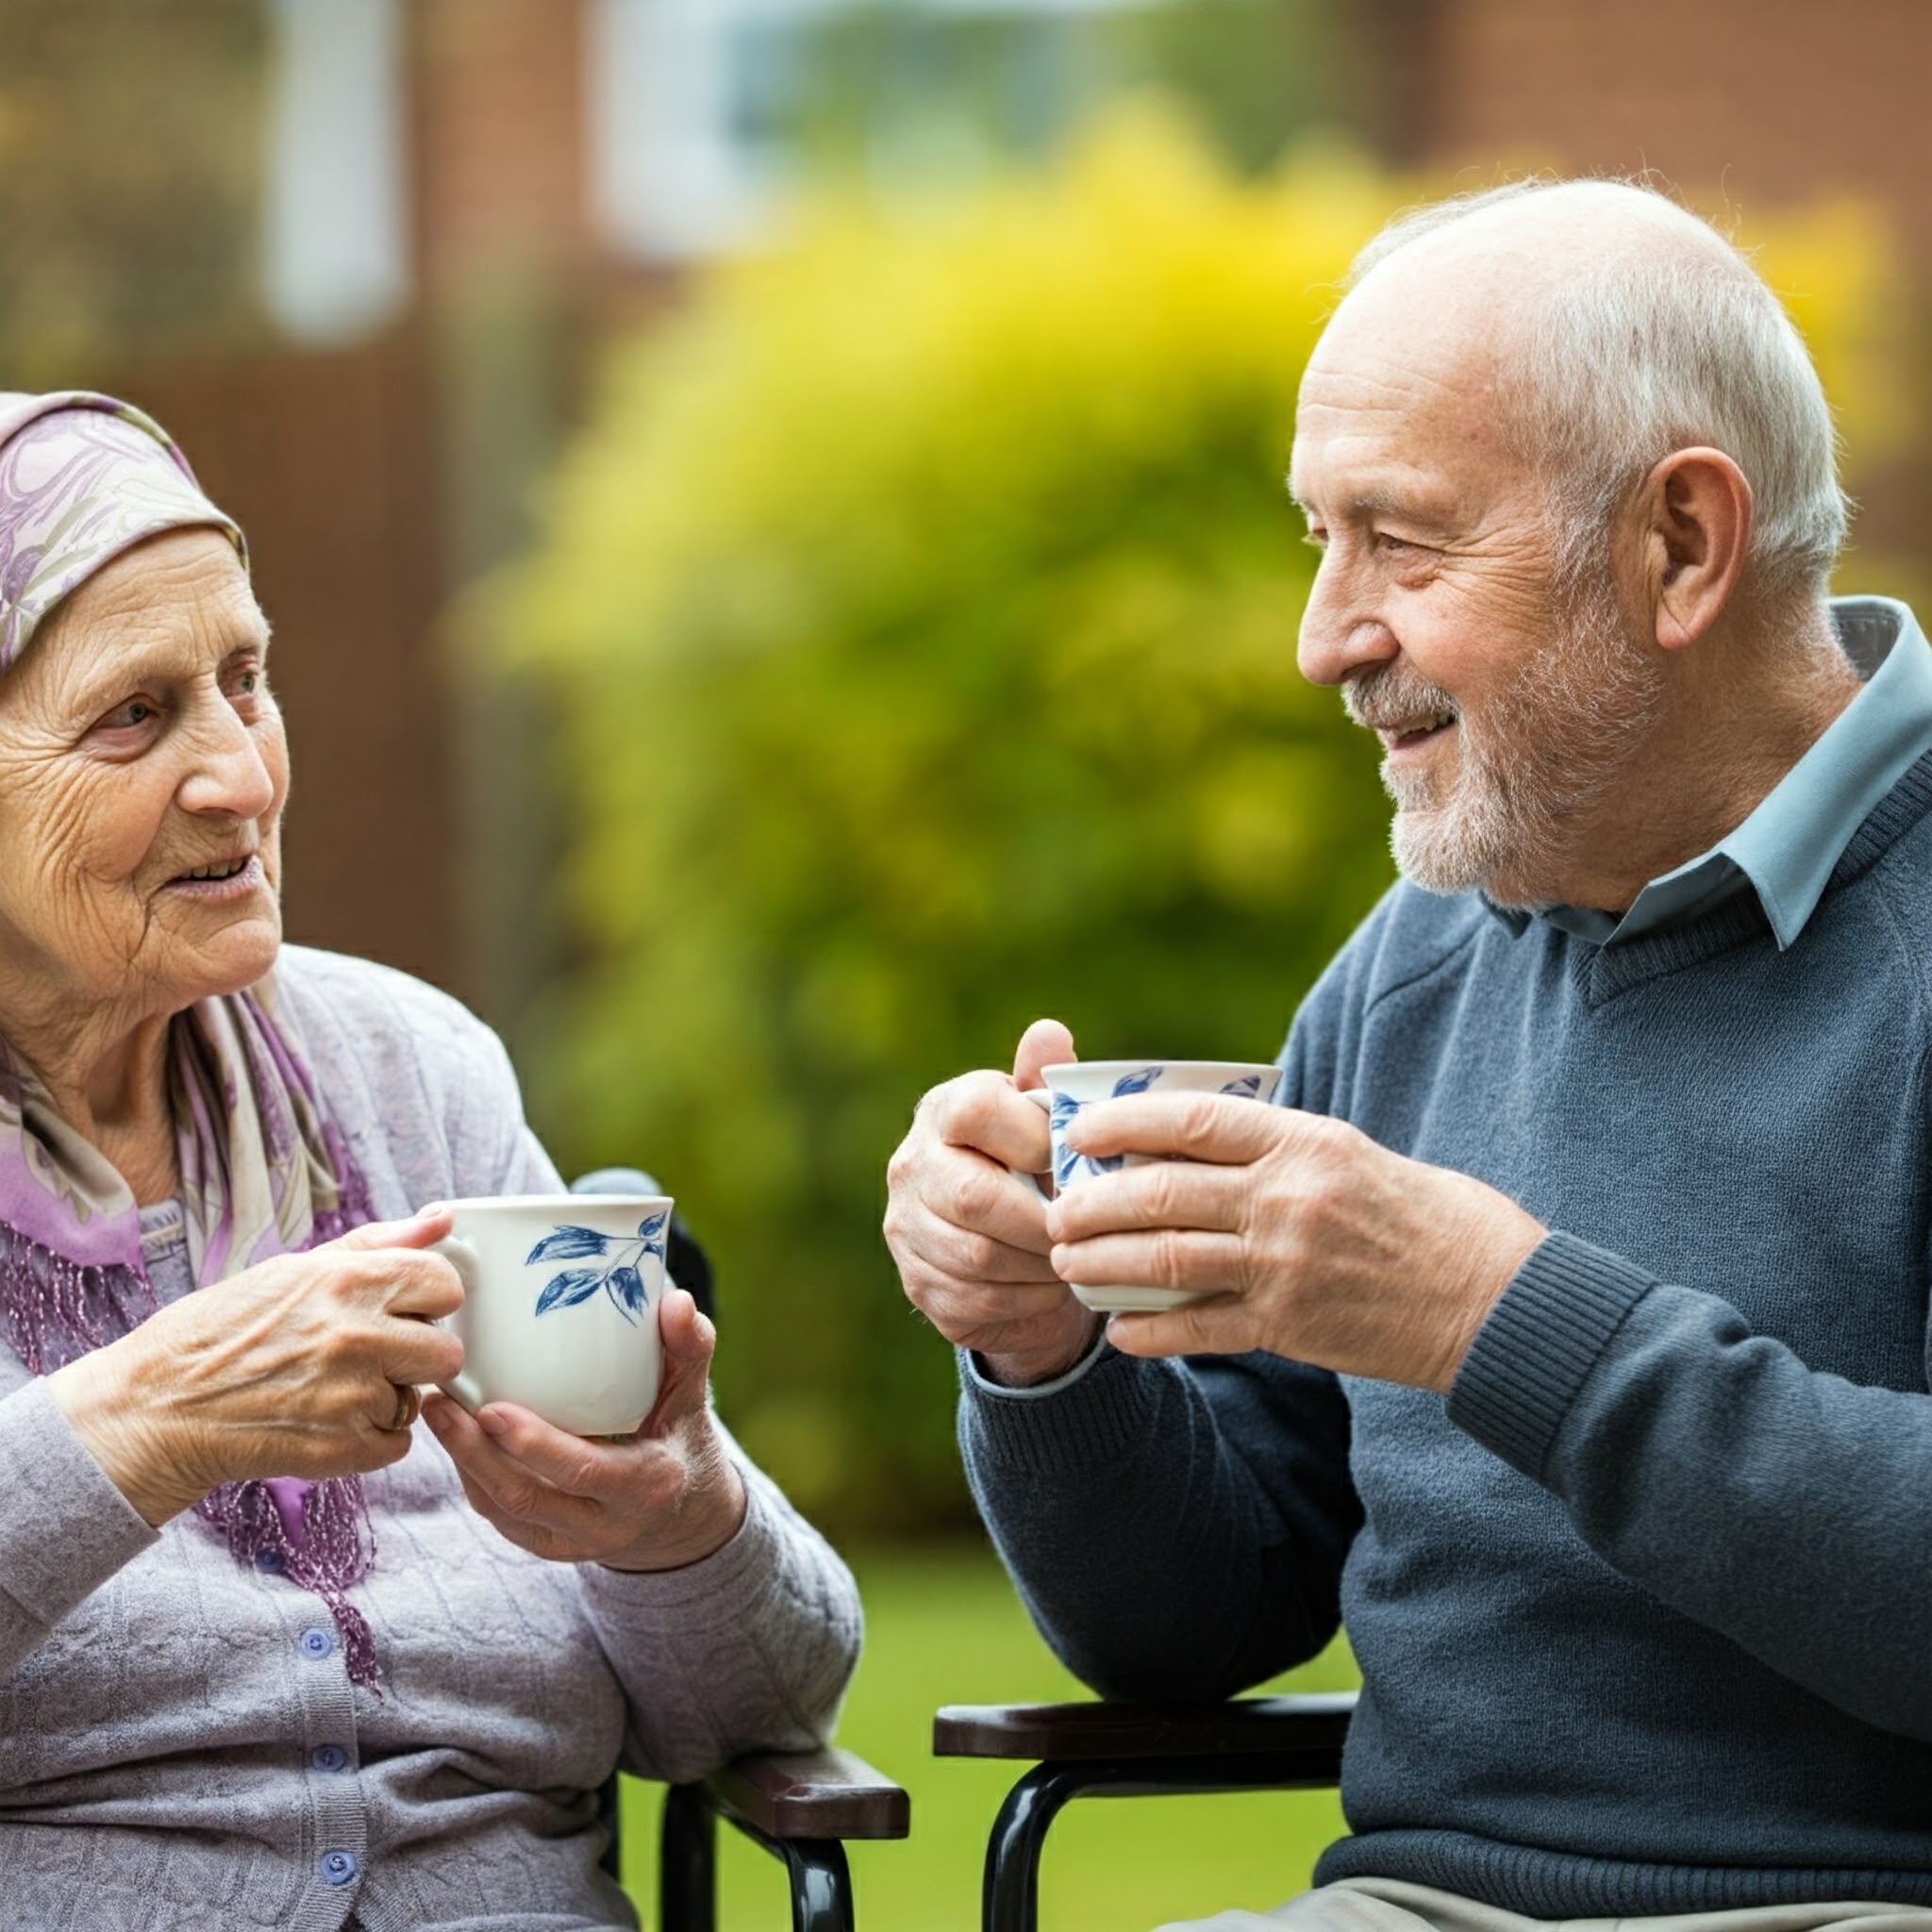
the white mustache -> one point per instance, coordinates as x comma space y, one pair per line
1391, 697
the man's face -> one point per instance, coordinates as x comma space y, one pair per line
1506, 701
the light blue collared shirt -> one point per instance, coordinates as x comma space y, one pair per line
1786, 849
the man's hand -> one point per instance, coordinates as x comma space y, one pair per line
1308, 1239
667, 1496
970, 1237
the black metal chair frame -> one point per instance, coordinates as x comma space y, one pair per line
800, 1806
1130, 1750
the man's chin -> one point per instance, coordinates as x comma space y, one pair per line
1436, 854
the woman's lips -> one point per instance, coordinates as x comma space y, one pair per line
239, 884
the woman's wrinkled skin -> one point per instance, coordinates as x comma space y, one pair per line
139, 744
143, 768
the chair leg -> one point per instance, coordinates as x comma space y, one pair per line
688, 1862
1010, 1902
821, 1883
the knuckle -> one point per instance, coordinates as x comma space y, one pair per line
902, 1170
516, 1496
1170, 1257
974, 1256
919, 1281
976, 1198
966, 1108
1162, 1190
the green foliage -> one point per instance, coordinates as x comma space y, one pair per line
921, 605
921, 610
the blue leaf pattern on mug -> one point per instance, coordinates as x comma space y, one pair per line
627, 1289
1066, 1163
567, 1243
621, 1279
1248, 1087
565, 1290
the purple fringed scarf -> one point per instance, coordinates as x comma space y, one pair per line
263, 1173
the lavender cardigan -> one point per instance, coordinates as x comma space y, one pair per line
180, 1745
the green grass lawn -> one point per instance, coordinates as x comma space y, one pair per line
945, 1628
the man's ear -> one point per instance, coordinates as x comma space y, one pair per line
1695, 527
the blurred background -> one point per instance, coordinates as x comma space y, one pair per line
772, 512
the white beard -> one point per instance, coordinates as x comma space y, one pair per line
1532, 764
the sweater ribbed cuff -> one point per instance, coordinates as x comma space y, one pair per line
1536, 1347
78, 1529
1102, 1410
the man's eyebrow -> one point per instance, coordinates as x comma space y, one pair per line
1379, 502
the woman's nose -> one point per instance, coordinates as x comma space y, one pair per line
230, 773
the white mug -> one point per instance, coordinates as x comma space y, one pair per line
1077, 1084
559, 1313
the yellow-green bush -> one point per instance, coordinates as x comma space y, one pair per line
921, 605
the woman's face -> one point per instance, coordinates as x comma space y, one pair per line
142, 770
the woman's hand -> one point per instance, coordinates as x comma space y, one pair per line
291, 1368
664, 1497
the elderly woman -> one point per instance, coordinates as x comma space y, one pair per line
270, 1653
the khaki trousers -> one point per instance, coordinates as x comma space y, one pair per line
1386, 1904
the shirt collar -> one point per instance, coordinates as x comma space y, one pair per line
1786, 849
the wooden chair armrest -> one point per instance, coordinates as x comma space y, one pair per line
811, 1794
1075, 1732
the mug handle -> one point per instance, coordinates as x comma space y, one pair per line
1043, 1098
462, 1385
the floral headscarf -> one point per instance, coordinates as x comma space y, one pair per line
263, 1171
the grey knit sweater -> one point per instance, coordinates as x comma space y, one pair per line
1644, 1608
180, 1745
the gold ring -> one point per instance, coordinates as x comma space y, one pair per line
409, 1407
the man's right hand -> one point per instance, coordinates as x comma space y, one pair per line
969, 1236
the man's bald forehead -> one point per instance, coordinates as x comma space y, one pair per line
1539, 220
1518, 245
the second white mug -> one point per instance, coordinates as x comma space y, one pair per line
1077, 1084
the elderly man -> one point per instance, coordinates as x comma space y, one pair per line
1565, 1333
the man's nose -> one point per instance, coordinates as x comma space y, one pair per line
1341, 630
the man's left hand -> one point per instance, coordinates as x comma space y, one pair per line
1300, 1235
667, 1496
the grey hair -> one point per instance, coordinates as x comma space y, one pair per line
1653, 350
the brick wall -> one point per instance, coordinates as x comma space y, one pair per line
499, 156
1771, 100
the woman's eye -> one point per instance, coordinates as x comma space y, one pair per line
133, 713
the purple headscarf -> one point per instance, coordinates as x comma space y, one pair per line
82, 478
263, 1171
